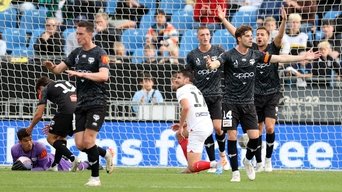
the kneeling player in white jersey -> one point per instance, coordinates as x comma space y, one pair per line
196, 118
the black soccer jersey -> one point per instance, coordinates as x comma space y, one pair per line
61, 93
267, 78
207, 81
89, 93
239, 75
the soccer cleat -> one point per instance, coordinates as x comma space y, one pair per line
53, 169
109, 160
75, 164
259, 167
224, 161
219, 168
212, 170
268, 165
93, 182
235, 176
249, 169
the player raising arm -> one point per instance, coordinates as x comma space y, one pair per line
91, 69
239, 67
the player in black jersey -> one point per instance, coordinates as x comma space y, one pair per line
209, 83
267, 86
63, 94
239, 66
91, 69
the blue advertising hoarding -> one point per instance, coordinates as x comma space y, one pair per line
154, 144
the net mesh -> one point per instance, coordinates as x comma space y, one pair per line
308, 132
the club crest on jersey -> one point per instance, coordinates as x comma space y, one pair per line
198, 62
236, 64
252, 61
96, 117
91, 60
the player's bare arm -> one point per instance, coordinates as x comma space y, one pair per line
36, 118
221, 13
101, 76
309, 55
185, 105
56, 69
280, 35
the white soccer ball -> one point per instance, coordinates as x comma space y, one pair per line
243, 140
26, 161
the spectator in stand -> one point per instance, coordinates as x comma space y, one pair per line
294, 41
120, 54
164, 36
147, 95
270, 8
326, 66
128, 14
105, 34
88, 8
334, 38
205, 13
59, 10
150, 54
189, 5
324, 6
3, 46
71, 41
24, 5
51, 42
306, 9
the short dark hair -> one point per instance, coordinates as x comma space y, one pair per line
263, 28
159, 12
187, 73
145, 76
43, 81
88, 25
201, 28
328, 22
241, 31
21, 134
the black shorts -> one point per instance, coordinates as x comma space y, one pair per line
91, 117
267, 106
215, 106
62, 125
233, 114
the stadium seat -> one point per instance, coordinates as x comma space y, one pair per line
147, 20
224, 38
332, 14
244, 18
22, 52
150, 4
35, 34
67, 31
8, 19
138, 56
15, 38
111, 7
171, 6
182, 20
33, 19
188, 42
133, 39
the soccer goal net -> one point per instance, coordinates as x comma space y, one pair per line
308, 130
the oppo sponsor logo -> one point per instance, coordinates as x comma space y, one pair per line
206, 71
263, 65
244, 75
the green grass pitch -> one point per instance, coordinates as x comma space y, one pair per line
169, 179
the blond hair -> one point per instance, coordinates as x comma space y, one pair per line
324, 44
269, 19
103, 15
295, 17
